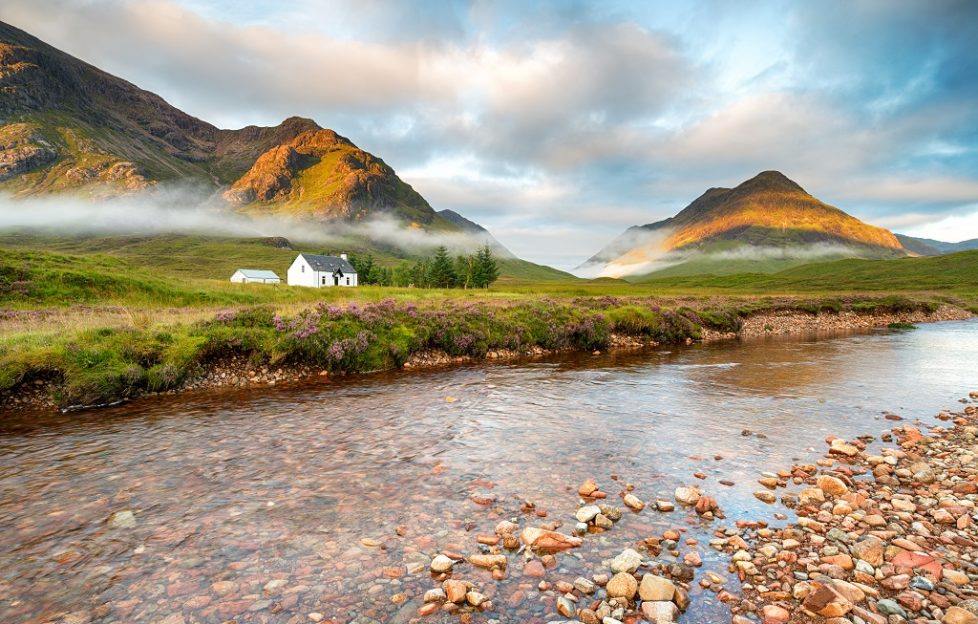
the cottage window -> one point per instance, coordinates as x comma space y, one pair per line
324, 280
348, 281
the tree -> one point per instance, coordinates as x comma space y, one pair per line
364, 268
485, 270
420, 273
465, 271
403, 275
441, 273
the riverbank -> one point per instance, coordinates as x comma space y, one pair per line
884, 534
257, 346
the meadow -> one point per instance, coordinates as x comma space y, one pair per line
107, 318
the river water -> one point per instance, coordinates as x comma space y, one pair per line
231, 491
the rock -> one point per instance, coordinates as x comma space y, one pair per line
587, 513
475, 598
833, 486
687, 495
622, 585
566, 607
633, 502
956, 577
826, 602
602, 521
488, 561
774, 614
869, 549
957, 615
584, 585
655, 587
124, 519
435, 595
660, 612
839, 446
587, 488
664, 506
627, 561
535, 569
765, 497
545, 540
441, 564
455, 590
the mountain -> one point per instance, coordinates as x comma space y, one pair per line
769, 220
476, 230
930, 247
68, 126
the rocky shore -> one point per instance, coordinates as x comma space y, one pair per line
885, 533
240, 372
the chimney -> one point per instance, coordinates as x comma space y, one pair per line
343, 255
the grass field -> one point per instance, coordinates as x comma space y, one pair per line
111, 317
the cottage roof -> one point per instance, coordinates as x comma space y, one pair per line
328, 263
258, 273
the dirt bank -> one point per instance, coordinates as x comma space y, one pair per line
240, 371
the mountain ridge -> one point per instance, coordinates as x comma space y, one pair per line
768, 210
66, 125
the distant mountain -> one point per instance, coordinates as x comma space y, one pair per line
68, 126
930, 247
321, 174
476, 230
763, 222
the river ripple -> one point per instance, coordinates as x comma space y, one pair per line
232, 490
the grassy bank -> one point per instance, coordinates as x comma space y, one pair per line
106, 364
106, 318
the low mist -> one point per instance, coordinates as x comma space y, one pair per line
188, 211
649, 256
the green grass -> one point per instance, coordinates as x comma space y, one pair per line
953, 273
105, 364
180, 270
179, 312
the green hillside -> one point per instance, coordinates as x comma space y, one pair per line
176, 270
953, 273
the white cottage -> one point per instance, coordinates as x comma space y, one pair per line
255, 276
321, 271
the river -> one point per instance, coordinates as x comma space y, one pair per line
256, 505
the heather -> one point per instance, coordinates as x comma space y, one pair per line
101, 365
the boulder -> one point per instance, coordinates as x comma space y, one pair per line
622, 585
656, 588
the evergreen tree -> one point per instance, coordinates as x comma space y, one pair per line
365, 269
441, 273
485, 269
420, 273
403, 275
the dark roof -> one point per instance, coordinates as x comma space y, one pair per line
328, 263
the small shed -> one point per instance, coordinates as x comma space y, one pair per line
255, 276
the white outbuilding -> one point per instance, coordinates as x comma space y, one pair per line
321, 271
255, 276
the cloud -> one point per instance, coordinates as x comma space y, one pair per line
576, 117
182, 210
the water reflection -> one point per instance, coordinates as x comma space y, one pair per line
232, 490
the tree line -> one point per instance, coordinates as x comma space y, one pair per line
478, 270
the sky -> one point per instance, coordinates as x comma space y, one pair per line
559, 124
